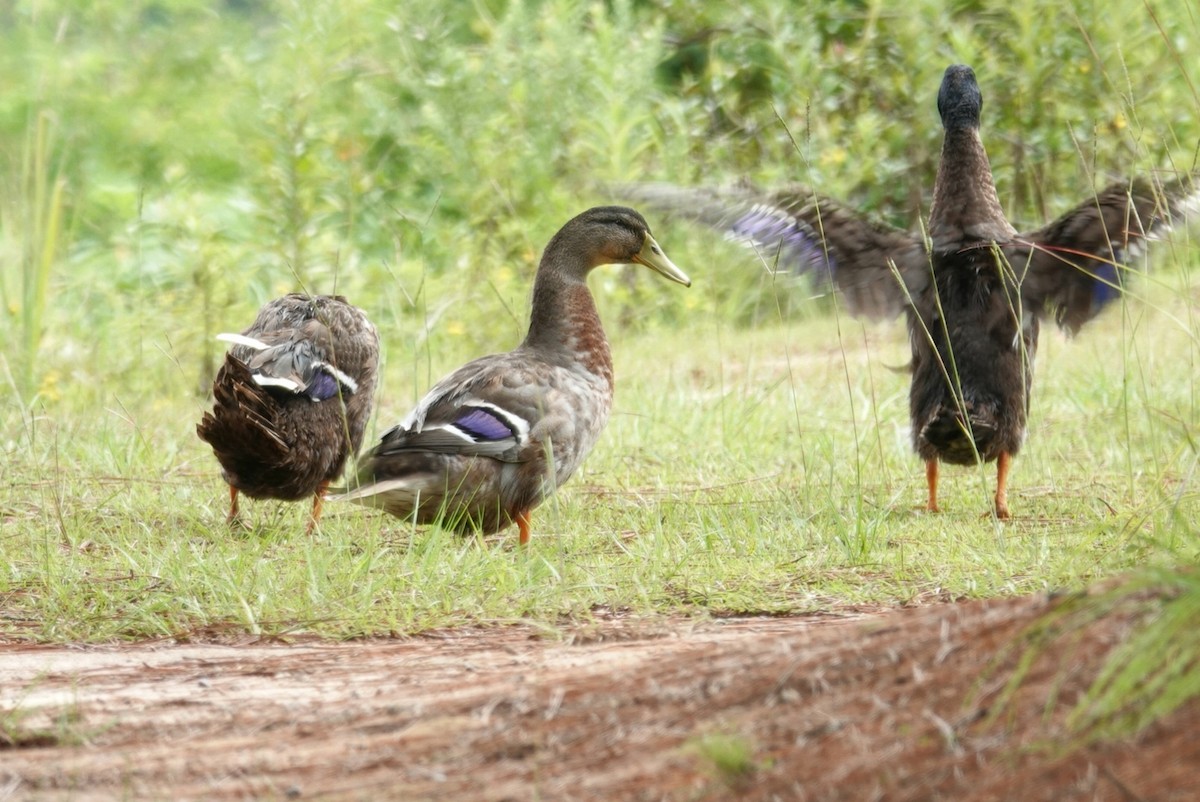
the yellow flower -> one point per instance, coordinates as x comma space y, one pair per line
456, 328
834, 157
1119, 122
48, 389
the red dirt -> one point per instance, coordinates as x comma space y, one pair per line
891, 707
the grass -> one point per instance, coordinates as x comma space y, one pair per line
34, 224
729, 758
734, 477
1154, 671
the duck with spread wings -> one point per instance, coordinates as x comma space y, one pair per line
974, 292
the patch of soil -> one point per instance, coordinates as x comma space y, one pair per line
893, 706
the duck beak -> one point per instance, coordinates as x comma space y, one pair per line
651, 255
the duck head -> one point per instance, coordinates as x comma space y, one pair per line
959, 100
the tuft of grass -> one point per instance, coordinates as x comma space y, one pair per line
1146, 676
1157, 668
729, 758
18, 731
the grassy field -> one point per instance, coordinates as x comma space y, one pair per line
170, 166
743, 471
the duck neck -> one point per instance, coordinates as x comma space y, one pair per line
564, 326
966, 210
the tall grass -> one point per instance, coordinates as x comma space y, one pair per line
32, 231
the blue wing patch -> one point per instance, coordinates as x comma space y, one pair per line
1106, 286
482, 424
322, 387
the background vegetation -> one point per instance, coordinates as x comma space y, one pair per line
168, 166
184, 161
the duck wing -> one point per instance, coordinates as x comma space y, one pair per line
244, 418
877, 268
485, 408
1073, 266
293, 360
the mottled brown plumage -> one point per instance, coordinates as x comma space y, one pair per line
292, 399
491, 441
973, 294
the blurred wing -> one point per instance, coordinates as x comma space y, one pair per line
801, 232
1073, 266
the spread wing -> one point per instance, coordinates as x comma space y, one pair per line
1073, 266
801, 232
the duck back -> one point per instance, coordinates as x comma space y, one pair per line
973, 347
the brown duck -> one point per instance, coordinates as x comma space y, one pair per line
495, 438
292, 399
974, 292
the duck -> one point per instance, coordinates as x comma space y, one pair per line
292, 399
974, 291
495, 438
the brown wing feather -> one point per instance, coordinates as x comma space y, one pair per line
1073, 265
243, 417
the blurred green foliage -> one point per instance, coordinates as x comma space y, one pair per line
416, 156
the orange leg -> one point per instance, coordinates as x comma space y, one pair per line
1002, 465
234, 513
522, 518
318, 501
931, 477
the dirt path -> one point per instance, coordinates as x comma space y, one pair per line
880, 707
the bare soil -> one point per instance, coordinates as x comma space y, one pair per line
900, 705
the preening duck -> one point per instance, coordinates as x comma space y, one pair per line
292, 399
